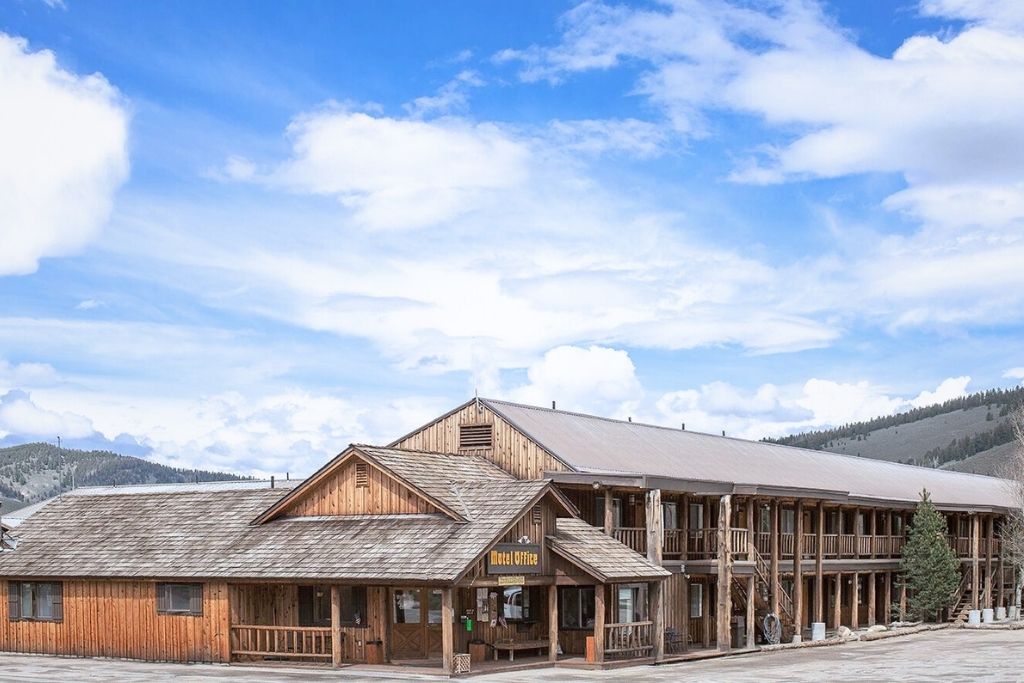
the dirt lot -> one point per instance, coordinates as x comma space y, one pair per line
949, 656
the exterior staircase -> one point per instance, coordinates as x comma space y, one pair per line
762, 597
962, 600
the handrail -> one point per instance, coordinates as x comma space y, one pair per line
634, 537
634, 637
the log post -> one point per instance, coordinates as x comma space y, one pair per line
856, 532
599, 596
608, 519
819, 566
975, 561
889, 546
751, 615
724, 615
887, 607
751, 542
685, 530
657, 607
775, 587
655, 527
447, 631
872, 598
684, 589
336, 649
553, 623
798, 571
874, 533
837, 608
855, 602
903, 600
990, 534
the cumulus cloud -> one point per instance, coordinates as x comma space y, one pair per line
20, 416
398, 174
594, 379
64, 142
777, 410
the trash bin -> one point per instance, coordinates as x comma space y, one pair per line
591, 650
739, 632
477, 650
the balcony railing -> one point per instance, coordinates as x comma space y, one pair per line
634, 639
634, 537
292, 642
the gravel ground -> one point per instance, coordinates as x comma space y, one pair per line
950, 656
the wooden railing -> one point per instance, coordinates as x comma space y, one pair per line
703, 543
634, 639
830, 544
634, 537
675, 542
810, 545
961, 545
299, 642
764, 542
738, 542
847, 545
786, 545
864, 546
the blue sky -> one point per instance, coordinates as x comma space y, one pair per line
242, 235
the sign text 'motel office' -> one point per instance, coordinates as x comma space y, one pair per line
514, 558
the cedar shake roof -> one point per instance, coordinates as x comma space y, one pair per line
197, 533
598, 445
600, 555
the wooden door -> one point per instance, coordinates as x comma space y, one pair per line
408, 624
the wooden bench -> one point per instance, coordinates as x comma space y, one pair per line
513, 645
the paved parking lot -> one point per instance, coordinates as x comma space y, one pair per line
950, 656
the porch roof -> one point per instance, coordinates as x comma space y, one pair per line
600, 555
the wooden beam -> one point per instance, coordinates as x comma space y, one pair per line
447, 631
874, 531
751, 616
819, 566
657, 607
871, 598
751, 543
552, 623
685, 601
856, 533
685, 531
608, 519
855, 602
705, 610
990, 535
775, 587
599, 591
655, 527
336, 645
903, 599
724, 613
798, 570
837, 608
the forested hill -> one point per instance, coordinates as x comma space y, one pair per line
969, 434
35, 471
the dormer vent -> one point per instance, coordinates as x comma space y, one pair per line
476, 436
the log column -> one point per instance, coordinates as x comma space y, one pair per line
887, 607
819, 567
655, 526
751, 616
774, 538
552, 623
657, 606
872, 598
608, 519
599, 595
837, 608
855, 602
990, 534
336, 649
724, 615
975, 561
447, 631
798, 572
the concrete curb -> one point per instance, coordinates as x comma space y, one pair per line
864, 637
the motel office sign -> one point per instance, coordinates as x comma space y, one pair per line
514, 558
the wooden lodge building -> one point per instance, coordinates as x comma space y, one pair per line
500, 530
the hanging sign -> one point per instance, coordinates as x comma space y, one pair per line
514, 558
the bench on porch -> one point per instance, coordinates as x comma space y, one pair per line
513, 645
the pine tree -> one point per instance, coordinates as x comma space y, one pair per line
930, 569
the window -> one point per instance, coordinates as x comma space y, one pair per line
475, 436
179, 598
599, 512
407, 607
787, 521
670, 514
696, 600
315, 605
576, 608
517, 603
434, 607
35, 601
696, 516
632, 603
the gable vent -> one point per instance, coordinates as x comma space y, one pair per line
536, 514
476, 436
362, 475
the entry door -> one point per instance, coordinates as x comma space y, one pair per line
415, 622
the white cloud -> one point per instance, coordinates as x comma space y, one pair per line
632, 137
453, 96
773, 410
1014, 373
26, 374
21, 416
595, 379
64, 146
399, 173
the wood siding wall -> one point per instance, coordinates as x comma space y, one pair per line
524, 526
119, 619
338, 494
278, 605
512, 450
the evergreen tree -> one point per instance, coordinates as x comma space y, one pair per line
930, 569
